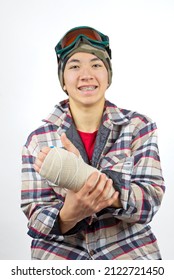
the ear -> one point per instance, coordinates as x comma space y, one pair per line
64, 87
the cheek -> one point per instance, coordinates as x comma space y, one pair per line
104, 78
68, 79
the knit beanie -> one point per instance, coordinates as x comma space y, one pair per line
86, 48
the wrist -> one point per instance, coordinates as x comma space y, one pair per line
65, 224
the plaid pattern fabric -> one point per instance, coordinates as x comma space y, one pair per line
126, 146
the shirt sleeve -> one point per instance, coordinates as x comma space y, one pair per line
39, 202
138, 177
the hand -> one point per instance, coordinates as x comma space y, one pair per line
90, 199
40, 158
68, 145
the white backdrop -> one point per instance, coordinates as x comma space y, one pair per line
142, 43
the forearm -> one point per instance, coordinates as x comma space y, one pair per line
65, 169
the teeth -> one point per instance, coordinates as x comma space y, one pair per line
87, 88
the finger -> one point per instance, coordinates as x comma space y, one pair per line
38, 163
45, 150
106, 190
117, 201
41, 156
36, 168
90, 184
107, 203
99, 187
68, 145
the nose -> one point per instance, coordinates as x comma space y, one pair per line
86, 74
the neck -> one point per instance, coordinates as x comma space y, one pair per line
87, 118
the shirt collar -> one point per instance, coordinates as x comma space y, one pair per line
61, 116
114, 115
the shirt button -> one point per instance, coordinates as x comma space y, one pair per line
92, 252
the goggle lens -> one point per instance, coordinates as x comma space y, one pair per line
95, 38
70, 37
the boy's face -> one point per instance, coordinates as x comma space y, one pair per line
85, 79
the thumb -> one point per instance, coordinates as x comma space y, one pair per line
68, 145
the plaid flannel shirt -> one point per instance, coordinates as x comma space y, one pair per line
126, 150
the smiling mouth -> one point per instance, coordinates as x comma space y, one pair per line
87, 88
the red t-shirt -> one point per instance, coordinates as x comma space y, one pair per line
88, 140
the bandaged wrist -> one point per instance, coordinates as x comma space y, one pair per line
67, 170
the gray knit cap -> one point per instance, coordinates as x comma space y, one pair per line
87, 48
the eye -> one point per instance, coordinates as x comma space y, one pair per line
97, 65
75, 66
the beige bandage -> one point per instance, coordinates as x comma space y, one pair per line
67, 170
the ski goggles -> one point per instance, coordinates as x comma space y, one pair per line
88, 34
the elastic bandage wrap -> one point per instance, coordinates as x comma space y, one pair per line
67, 170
